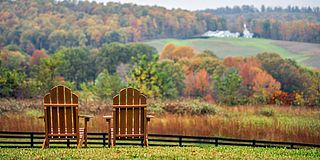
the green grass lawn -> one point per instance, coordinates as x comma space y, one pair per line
223, 47
205, 152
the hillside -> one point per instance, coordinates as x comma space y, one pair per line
305, 53
50, 24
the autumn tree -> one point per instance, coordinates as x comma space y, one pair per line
37, 55
144, 76
202, 83
167, 51
264, 85
170, 51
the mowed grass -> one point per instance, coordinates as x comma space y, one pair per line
224, 47
127, 152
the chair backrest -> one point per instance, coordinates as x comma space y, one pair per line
129, 113
61, 112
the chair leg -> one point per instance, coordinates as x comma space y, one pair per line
109, 138
45, 143
85, 139
80, 143
113, 141
145, 140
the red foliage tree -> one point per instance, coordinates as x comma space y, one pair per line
36, 56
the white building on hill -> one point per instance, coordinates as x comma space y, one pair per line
246, 33
221, 34
228, 34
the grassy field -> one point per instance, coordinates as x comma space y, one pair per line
162, 153
304, 53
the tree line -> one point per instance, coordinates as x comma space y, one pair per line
179, 71
292, 23
51, 24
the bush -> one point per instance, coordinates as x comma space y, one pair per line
156, 108
193, 107
268, 112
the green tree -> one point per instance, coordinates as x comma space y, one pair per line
111, 55
107, 85
10, 82
76, 65
287, 72
228, 87
171, 79
145, 76
45, 73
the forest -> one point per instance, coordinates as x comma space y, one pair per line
50, 24
179, 71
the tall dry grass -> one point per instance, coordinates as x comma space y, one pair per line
248, 122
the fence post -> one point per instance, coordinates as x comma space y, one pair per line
104, 139
31, 139
180, 141
253, 143
216, 140
68, 143
291, 146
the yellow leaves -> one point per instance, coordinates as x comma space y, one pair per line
170, 51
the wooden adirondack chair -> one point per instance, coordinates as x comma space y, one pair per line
129, 116
61, 117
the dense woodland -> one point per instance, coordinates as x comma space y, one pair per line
179, 71
50, 24
83, 45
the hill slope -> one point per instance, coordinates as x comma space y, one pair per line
305, 53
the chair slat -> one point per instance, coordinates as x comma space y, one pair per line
143, 101
116, 115
129, 111
123, 115
61, 100
47, 113
54, 114
74, 113
68, 100
136, 111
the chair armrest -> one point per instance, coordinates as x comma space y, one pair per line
86, 117
149, 117
108, 118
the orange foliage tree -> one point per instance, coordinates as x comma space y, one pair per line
264, 85
174, 53
202, 82
257, 82
167, 51
197, 84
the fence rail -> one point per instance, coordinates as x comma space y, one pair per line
34, 140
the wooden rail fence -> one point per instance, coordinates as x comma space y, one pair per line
34, 140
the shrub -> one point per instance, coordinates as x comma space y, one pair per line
268, 112
193, 107
156, 108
